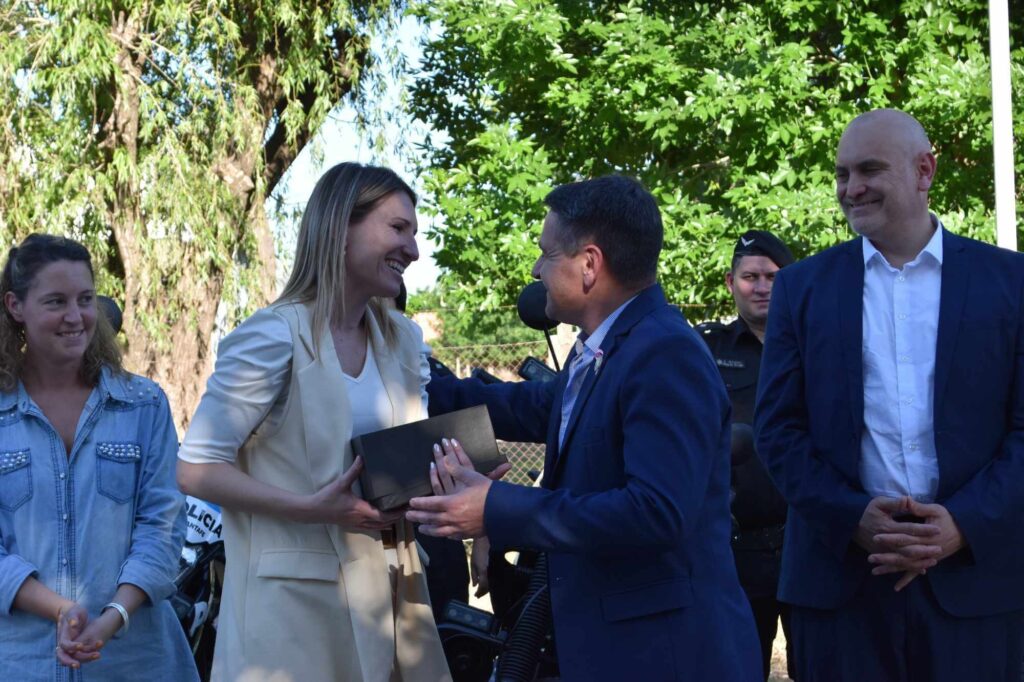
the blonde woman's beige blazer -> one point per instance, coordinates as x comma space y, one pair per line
314, 602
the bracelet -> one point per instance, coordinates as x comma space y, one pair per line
124, 617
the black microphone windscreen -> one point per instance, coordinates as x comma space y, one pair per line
532, 301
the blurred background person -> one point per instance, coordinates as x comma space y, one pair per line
320, 585
90, 518
758, 509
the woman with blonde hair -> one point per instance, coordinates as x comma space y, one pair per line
319, 585
91, 523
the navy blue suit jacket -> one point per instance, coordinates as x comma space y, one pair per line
810, 417
634, 508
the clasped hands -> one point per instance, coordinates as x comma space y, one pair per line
457, 508
896, 545
80, 639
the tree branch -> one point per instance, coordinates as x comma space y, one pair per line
278, 152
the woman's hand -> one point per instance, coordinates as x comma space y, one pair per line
72, 620
449, 457
441, 479
98, 632
336, 503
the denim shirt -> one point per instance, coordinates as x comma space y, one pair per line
110, 513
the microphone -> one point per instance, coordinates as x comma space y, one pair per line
532, 301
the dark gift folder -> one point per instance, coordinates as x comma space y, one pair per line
396, 461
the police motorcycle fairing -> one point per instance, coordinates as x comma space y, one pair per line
199, 581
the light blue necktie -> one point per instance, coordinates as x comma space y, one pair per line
577, 372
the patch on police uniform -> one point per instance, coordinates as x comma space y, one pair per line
710, 327
730, 363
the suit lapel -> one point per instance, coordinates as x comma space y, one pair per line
326, 412
850, 308
589, 379
952, 296
551, 448
552, 451
643, 304
387, 365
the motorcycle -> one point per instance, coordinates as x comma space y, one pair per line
200, 579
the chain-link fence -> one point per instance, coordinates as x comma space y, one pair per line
501, 360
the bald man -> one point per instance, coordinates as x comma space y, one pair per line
890, 414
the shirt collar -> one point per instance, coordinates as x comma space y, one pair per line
933, 248
741, 328
108, 388
594, 341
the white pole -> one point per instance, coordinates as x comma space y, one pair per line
1002, 124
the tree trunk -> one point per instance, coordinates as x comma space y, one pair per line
174, 349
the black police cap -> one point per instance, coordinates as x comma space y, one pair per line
762, 243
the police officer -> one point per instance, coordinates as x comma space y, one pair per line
758, 509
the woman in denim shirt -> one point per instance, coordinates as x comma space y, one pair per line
91, 521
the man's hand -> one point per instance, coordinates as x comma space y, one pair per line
479, 560
336, 503
457, 511
879, 524
898, 549
880, 520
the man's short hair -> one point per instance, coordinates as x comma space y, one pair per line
617, 214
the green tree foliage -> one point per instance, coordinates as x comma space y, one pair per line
461, 327
154, 132
728, 111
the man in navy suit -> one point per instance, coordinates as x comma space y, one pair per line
890, 414
633, 512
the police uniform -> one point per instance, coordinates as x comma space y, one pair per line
759, 511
